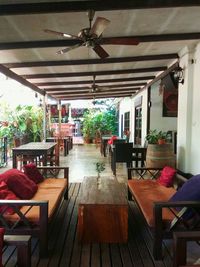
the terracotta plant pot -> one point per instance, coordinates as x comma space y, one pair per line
161, 141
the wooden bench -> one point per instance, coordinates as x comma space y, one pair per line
152, 199
32, 217
23, 244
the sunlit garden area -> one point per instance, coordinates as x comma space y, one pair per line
27, 117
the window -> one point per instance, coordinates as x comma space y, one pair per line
138, 125
126, 121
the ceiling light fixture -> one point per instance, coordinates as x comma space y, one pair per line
179, 75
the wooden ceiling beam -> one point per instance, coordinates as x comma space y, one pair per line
92, 73
120, 90
71, 42
143, 78
62, 97
115, 86
90, 61
92, 97
78, 6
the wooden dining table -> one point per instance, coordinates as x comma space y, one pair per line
66, 142
33, 149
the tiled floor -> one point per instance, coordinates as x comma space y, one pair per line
81, 162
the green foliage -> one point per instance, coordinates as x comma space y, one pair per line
100, 167
96, 122
153, 136
23, 120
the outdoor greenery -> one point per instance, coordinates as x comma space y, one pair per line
154, 136
97, 122
21, 121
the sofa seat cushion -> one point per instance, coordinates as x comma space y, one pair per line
46, 191
53, 183
146, 192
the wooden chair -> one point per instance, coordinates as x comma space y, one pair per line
54, 158
180, 247
121, 152
23, 244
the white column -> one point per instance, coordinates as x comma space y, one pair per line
185, 104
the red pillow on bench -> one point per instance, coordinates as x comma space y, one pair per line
19, 183
167, 176
32, 172
5, 193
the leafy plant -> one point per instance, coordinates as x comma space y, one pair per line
100, 167
22, 121
153, 136
96, 122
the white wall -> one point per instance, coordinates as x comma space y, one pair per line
188, 120
157, 121
188, 156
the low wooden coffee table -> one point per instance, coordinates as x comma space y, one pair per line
103, 211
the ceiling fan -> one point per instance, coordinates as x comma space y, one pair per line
92, 37
94, 88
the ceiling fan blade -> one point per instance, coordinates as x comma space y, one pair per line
66, 35
126, 40
99, 26
100, 51
67, 49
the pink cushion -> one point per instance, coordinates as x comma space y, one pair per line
19, 183
32, 172
2, 231
5, 193
110, 141
167, 176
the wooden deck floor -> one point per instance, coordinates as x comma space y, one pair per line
65, 250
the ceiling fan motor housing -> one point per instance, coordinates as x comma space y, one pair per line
87, 38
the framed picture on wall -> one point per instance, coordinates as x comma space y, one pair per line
170, 103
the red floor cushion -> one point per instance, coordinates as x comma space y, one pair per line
5, 193
19, 183
33, 173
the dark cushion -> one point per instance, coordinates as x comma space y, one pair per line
19, 183
167, 176
5, 193
33, 173
190, 191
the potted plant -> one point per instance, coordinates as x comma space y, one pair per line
159, 152
156, 137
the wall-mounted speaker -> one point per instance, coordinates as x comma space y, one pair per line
169, 82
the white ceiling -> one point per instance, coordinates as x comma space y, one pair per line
133, 22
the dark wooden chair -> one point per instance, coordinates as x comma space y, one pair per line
180, 247
121, 152
23, 245
139, 156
